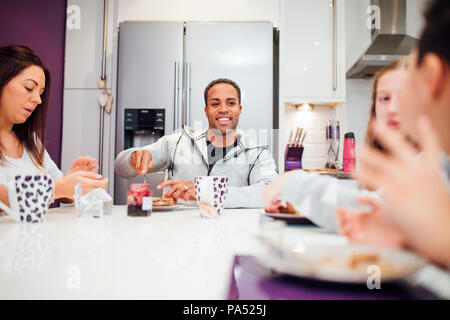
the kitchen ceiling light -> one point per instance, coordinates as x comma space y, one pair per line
304, 107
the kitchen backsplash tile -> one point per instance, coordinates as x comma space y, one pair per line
315, 136
312, 151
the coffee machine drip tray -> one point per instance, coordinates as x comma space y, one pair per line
145, 137
143, 126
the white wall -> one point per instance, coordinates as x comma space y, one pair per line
197, 10
357, 107
414, 17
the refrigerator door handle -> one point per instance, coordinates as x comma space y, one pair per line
188, 94
176, 93
184, 95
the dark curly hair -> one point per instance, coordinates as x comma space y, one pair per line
222, 80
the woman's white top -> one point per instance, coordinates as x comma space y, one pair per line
25, 164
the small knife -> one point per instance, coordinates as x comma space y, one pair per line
300, 136
296, 137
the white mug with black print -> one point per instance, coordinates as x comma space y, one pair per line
29, 196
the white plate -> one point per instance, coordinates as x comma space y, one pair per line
332, 262
164, 208
289, 218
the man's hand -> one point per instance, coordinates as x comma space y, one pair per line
141, 161
179, 189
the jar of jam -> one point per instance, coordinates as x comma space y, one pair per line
139, 200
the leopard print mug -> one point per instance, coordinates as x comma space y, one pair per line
29, 196
212, 191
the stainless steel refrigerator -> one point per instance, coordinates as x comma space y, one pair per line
164, 67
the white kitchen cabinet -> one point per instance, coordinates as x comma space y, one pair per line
81, 118
84, 43
312, 50
83, 55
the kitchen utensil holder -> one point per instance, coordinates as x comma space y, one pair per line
293, 158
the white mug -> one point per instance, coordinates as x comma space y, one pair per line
29, 196
211, 190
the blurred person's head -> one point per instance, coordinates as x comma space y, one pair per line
427, 89
24, 96
223, 105
385, 91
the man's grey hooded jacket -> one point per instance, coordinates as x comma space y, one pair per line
248, 166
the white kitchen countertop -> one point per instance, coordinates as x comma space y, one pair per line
168, 255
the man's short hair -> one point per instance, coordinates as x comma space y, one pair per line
222, 80
437, 29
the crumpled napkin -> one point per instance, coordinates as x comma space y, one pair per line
94, 204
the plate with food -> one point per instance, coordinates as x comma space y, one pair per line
349, 263
163, 204
289, 215
331, 172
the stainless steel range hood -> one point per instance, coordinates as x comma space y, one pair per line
389, 43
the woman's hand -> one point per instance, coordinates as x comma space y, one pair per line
64, 187
4, 195
83, 164
271, 195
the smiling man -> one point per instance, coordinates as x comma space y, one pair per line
220, 150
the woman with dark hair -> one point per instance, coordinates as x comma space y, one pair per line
24, 98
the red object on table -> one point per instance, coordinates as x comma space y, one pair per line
134, 199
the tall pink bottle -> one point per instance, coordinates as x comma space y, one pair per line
349, 161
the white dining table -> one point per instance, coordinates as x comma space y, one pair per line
168, 255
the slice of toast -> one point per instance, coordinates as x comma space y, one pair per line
163, 202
